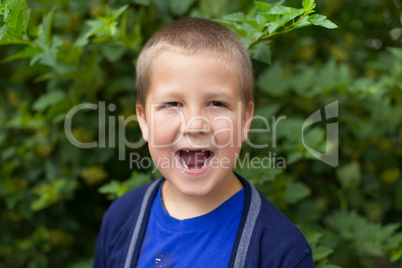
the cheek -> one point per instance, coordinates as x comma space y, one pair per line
164, 131
163, 135
226, 132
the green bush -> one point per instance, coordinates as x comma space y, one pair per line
59, 54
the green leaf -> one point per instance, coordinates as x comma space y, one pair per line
272, 26
47, 57
38, 204
213, 8
115, 189
270, 174
85, 263
48, 99
111, 187
180, 7
314, 138
394, 240
271, 17
113, 52
266, 111
273, 81
278, 9
92, 27
136, 180
12, 39
321, 20
396, 254
283, 20
16, 16
262, 6
115, 13
261, 51
27, 121
327, 265
303, 22
28, 52
50, 194
294, 156
312, 236
261, 21
5, 9
308, 4
321, 252
45, 30
238, 16
105, 28
397, 51
3, 31
349, 176
296, 191
142, 2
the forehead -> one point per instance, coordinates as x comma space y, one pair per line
175, 53
179, 71
226, 58
172, 60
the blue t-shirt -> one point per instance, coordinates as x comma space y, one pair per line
204, 241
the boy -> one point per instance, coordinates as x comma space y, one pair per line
194, 104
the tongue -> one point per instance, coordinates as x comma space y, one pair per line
194, 158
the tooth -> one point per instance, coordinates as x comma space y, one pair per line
184, 163
202, 151
205, 163
187, 151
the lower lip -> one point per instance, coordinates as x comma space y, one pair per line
194, 172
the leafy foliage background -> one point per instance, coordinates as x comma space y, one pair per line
58, 54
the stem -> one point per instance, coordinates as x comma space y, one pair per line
342, 197
276, 32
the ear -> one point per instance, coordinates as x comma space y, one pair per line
142, 121
247, 118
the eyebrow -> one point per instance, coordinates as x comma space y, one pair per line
169, 95
213, 93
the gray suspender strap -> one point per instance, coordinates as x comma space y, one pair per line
255, 206
140, 219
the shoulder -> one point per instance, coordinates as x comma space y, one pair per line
118, 223
272, 219
278, 236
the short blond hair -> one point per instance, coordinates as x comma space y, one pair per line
195, 36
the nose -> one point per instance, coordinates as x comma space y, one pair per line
197, 124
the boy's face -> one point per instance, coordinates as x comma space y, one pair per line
194, 121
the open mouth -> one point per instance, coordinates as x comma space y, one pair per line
194, 159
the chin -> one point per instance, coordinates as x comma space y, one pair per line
194, 191
191, 188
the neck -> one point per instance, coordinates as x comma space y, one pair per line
182, 207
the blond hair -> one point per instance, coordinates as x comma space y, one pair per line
195, 36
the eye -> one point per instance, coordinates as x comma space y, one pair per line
217, 104
171, 104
